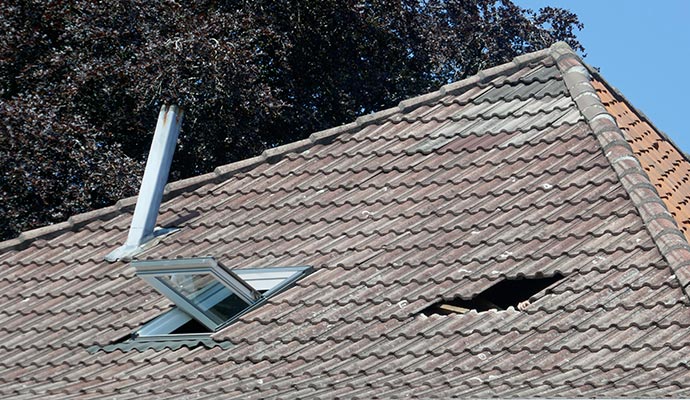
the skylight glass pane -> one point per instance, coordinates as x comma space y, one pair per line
190, 286
206, 293
227, 308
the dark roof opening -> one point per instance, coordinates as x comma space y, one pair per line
506, 293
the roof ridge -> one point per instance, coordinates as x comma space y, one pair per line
614, 90
271, 155
665, 233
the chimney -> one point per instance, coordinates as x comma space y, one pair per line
141, 231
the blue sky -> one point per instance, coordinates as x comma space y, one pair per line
643, 49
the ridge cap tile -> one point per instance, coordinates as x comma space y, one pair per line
596, 74
673, 247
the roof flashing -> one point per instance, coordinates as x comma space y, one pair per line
127, 251
163, 344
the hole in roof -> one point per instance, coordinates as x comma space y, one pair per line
506, 293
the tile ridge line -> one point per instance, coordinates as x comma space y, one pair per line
659, 222
271, 155
617, 93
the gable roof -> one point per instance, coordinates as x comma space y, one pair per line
667, 167
518, 171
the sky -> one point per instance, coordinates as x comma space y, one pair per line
642, 48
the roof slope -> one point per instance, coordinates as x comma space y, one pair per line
498, 176
667, 166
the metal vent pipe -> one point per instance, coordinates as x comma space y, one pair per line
150, 196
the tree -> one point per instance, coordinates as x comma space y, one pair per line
81, 81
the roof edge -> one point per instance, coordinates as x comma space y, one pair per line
665, 233
593, 71
272, 155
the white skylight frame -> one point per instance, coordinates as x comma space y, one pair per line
247, 284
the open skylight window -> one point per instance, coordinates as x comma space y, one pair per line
208, 295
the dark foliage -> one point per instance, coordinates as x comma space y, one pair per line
81, 81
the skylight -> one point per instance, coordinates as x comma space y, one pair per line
208, 296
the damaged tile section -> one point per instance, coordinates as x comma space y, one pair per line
515, 293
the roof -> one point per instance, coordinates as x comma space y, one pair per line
667, 167
520, 171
